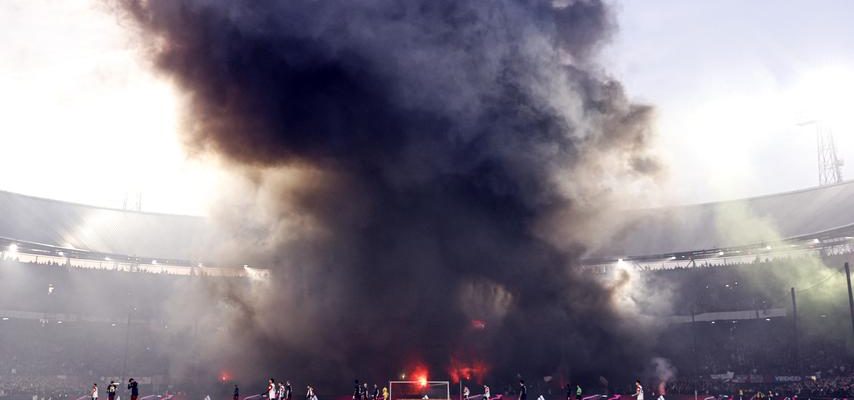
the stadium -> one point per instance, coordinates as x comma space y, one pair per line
425, 200
84, 288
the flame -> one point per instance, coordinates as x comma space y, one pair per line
419, 374
467, 371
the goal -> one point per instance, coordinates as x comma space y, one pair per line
419, 390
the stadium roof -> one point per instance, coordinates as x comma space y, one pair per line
814, 213
820, 212
70, 225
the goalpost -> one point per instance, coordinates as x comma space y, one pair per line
419, 390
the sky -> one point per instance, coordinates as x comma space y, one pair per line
84, 119
731, 81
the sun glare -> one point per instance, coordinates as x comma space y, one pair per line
80, 103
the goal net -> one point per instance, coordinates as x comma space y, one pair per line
419, 390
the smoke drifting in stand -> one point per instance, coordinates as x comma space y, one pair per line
418, 165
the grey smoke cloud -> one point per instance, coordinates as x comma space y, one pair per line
410, 166
664, 372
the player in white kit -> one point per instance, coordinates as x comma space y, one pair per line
638, 390
272, 389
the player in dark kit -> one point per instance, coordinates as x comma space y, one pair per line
236, 393
376, 394
288, 390
357, 391
111, 390
134, 389
523, 390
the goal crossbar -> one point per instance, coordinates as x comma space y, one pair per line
423, 386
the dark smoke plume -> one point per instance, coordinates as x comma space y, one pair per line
421, 164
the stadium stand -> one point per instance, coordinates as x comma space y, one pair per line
62, 328
82, 289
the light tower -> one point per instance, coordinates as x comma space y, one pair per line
829, 164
